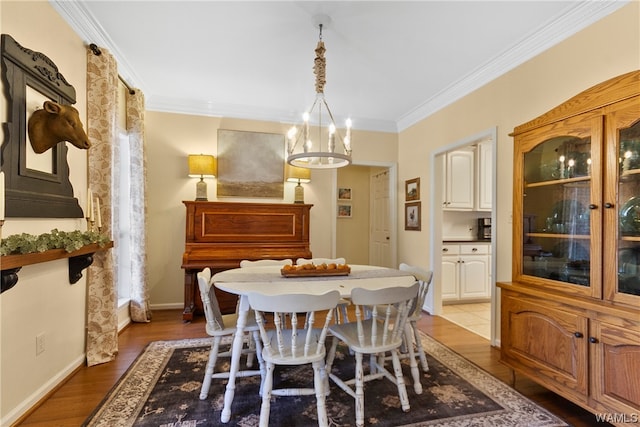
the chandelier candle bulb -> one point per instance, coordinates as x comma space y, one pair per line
332, 138
291, 135
305, 118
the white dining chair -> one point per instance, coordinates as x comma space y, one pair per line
294, 340
219, 326
379, 328
264, 262
424, 278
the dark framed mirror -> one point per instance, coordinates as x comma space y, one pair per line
37, 185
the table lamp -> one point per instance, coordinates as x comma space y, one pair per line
296, 174
202, 165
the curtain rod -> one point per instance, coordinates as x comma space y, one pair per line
97, 52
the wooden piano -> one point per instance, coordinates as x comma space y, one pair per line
221, 234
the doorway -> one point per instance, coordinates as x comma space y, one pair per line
460, 226
364, 231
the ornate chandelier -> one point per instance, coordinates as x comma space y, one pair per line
319, 149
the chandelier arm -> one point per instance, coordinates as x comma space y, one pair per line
301, 134
344, 147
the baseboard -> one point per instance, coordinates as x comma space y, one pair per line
170, 306
124, 316
25, 408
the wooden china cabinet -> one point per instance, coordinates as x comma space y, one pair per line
570, 318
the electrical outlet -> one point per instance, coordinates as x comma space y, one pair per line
40, 344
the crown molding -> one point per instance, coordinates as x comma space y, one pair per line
202, 108
579, 16
90, 31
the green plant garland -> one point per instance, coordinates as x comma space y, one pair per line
68, 240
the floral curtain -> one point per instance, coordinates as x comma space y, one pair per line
102, 319
139, 306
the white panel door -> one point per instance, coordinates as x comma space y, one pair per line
380, 239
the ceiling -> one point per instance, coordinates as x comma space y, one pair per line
389, 63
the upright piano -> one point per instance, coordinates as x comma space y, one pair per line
221, 234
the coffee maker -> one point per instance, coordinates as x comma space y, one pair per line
484, 228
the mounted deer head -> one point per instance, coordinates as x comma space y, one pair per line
56, 123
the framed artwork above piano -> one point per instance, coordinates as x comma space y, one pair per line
221, 234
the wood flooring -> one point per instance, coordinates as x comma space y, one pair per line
72, 402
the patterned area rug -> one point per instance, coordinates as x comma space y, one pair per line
162, 388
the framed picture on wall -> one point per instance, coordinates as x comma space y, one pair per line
344, 193
37, 183
344, 211
412, 189
250, 164
412, 216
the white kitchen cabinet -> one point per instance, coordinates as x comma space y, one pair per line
459, 180
450, 272
484, 172
466, 271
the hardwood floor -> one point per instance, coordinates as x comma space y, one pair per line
74, 400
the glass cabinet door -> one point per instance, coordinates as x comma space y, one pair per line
624, 283
558, 224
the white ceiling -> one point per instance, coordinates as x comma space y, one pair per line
389, 63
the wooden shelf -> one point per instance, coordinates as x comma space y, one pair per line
564, 181
20, 260
560, 236
78, 261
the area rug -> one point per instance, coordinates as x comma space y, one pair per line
162, 388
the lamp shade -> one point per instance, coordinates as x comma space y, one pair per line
202, 165
296, 174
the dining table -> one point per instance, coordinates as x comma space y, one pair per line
271, 281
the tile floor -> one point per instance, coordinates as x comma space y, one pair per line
474, 317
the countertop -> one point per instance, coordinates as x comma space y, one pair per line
466, 240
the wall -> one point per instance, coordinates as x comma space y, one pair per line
604, 50
171, 137
352, 234
43, 301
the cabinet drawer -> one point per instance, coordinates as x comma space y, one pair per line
450, 249
474, 249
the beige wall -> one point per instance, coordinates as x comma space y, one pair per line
352, 234
606, 49
171, 137
43, 301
